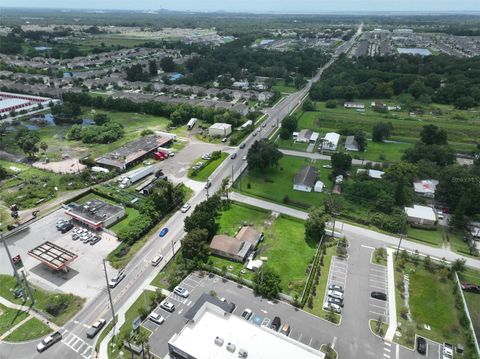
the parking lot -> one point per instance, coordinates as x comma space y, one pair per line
85, 276
337, 274
377, 282
305, 328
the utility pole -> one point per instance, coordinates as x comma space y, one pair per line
15, 272
173, 248
110, 298
400, 240
335, 214
30, 293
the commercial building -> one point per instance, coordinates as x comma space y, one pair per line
133, 152
305, 179
421, 216
236, 248
330, 141
414, 51
216, 334
96, 214
425, 188
220, 129
16, 102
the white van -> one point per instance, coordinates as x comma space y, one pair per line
156, 260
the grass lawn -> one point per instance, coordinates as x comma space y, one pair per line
378, 328
132, 216
472, 299
457, 243
405, 128
42, 299
291, 145
208, 169
377, 258
9, 318
275, 184
317, 308
379, 152
230, 221
432, 302
433, 237
281, 87
32, 329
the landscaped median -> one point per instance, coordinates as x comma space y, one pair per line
209, 166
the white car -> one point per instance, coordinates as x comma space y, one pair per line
447, 352
185, 207
169, 307
156, 318
335, 294
156, 260
47, 342
117, 279
333, 307
182, 292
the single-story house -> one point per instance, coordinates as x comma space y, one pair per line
356, 105
306, 136
305, 179
421, 216
351, 144
474, 229
236, 248
371, 173
220, 129
378, 104
319, 186
425, 188
330, 141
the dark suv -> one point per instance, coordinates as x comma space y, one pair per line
276, 323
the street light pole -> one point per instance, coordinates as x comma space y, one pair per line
400, 240
335, 214
110, 298
173, 248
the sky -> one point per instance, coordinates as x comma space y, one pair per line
263, 6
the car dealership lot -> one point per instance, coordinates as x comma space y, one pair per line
85, 276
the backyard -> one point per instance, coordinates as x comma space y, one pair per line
276, 184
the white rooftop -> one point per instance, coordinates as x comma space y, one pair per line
425, 186
9, 102
220, 125
422, 212
372, 173
198, 338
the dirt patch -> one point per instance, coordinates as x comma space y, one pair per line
69, 165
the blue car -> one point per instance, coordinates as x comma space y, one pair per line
163, 232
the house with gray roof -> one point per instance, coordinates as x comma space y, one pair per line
305, 179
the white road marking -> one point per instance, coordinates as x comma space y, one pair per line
369, 247
263, 311
386, 355
334, 341
388, 344
386, 349
397, 351
382, 314
180, 311
300, 337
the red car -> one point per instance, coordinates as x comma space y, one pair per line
470, 288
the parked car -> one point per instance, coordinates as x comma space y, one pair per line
244, 158
95, 328
95, 240
447, 352
163, 232
333, 307
379, 295
275, 324
335, 294
336, 287
117, 279
156, 260
169, 307
471, 288
206, 157
336, 301
156, 318
182, 292
60, 223
224, 139
208, 185
247, 313
48, 341
264, 124
242, 145
66, 226
421, 345
185, 207
233, 155
254, 134
285, 330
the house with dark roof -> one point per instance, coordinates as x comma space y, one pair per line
236, 248
351, 144
305, 179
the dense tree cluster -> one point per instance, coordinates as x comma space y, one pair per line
441, 79
28, 141
263, 154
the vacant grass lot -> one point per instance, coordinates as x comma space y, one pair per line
281, 87
433, 237
208, 169
380, 152
462, 126
432, 302
276, 184
9, 318
291, 145
42, 299
32, 329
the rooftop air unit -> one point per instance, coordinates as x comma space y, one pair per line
242, 353
231, 347
219, 341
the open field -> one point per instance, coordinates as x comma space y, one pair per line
43, 299
281, 87
276, 184
32, 329
463, 126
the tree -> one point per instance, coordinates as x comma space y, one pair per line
361, 139
289, 125
331, 104
341, 163
101, 119
433, 135
458, 218
195, 245
266, 282
224, 187
27, 141
167, 64
438, 154
458, 265
381, 131
333, 204
3, 173
400, 195
315, 225
152, 68
262, 155
44, 146
308, 105
417, 88
136, 73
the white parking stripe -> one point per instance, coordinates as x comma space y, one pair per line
382, 314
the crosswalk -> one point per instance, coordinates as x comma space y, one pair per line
77, 344
387, 350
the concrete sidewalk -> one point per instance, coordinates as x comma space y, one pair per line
392, 305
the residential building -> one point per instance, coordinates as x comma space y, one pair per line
306, 136
330, 141
214, 333
376, 174
421, 216
241, 108
319, 186
425, 188
379, 105
220, 129
356, 105
236, 248
305, 179
351, 144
